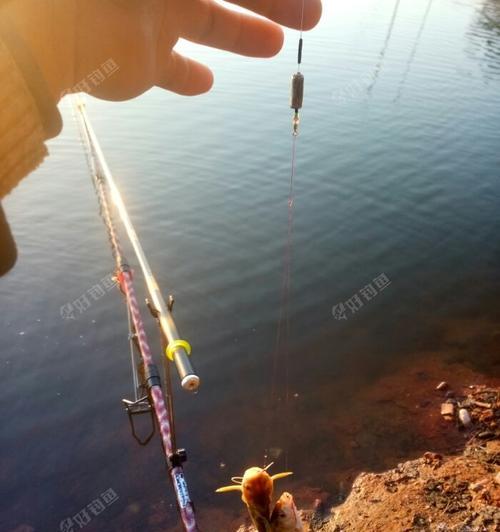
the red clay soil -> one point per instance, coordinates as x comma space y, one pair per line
434, 492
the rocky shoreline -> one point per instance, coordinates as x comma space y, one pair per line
435, 492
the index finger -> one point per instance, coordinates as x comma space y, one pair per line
297, 14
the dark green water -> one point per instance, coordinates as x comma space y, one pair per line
398, 174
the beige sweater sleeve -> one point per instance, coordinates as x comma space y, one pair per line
22, 145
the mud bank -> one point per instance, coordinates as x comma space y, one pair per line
455, 493
432, 493
435, 492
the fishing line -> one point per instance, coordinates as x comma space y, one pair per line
282, 340
90, 158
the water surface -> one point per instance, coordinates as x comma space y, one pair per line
397, 174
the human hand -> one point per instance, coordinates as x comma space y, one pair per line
72, 39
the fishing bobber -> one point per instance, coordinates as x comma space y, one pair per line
297, 92
296, 98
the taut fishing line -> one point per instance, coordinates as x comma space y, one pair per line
282, 340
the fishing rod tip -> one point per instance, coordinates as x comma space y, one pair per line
191, 383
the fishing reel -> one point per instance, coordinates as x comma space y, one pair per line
177, 458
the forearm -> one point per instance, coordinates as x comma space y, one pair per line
21, 128
30, 116
46, 28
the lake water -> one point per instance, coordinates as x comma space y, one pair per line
398, 174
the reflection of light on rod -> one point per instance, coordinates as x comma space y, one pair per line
378, 68
189, 380
414, 51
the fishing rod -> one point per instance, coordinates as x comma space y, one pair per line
150, 381
178, 350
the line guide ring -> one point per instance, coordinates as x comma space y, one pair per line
169, 351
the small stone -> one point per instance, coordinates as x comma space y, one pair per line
420, 520
486, 434
497, 478
479, 485
481, 404
486, 415
442, 386
433, 458
318, 505
464, 417
447, 410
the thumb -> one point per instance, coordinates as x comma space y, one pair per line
8, 251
